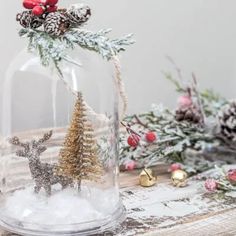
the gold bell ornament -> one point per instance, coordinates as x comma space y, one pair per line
179, 178
146, 178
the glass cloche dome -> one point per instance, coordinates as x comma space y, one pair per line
59, 155
60, 126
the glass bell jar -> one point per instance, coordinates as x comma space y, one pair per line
59, 147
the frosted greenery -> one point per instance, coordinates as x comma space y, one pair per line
54, 50
191, 144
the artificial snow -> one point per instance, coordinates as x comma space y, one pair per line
63, 207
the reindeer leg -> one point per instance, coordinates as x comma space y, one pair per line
48, 189
64, 185
79, 185
37, 188
71, 183
68, 183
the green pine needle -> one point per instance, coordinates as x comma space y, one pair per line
54, 50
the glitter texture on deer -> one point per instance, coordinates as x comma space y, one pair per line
44, 174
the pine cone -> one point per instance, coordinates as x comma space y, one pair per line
191, 114
56, 24
28, 20
227, 120
78, 14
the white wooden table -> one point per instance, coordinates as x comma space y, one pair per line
165, 210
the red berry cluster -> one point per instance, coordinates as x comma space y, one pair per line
134, 138
39, 7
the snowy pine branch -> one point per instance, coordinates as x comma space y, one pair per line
174, 138
97, 42
54, 50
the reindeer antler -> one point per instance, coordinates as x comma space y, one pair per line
26, 146
38, 143
45, 138
16, 141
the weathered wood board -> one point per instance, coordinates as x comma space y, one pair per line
165, 210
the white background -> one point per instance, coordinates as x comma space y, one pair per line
199, 34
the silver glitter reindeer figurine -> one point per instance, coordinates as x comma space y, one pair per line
44, 174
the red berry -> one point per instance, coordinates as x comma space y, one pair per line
52, 9
150, 137
133, 140
51, 2
30, 4
130, 165
38, 11
175, 166
231, 175
211, 185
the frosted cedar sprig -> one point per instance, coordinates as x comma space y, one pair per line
98, 42
51, 51
54, 50
174, 138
